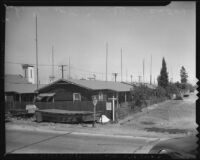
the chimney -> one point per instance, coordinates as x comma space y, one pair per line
28, 72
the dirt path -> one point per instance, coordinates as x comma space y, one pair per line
170, 117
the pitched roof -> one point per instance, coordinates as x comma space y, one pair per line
13, 78
18, 84
96, 85
21, 88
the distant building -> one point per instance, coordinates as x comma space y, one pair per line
18, 91
29, 73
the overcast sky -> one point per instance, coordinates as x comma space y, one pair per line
81, 33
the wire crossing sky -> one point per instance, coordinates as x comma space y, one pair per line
81, 34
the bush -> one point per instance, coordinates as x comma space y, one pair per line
171, 89
140, 94
160, 92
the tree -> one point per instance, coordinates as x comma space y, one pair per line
163, 77
183, 75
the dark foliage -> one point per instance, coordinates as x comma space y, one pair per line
163, 77
183, 75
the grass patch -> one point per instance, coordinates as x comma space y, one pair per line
170, 131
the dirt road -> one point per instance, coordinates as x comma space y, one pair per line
173, 117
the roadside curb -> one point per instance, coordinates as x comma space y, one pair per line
17, 127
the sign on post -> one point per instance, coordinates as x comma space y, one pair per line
108, 106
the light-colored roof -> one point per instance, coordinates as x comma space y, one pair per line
14, 78
96, 85
19, 84
21, 88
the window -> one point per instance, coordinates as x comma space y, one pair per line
101, 98
76, 97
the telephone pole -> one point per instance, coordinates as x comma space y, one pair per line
69, 69
36, 40
131, 77
121, 64
106, 60
143, 71
126, 75
52, 76
62, 69
115, 74
139, 79
151, 71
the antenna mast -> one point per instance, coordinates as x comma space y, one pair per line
52, 76
121, 64
151, 71
36, 40
106, 60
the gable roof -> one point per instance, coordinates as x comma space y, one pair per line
19, 84
21, 88
95, 85
14, 78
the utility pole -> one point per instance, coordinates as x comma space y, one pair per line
106, 60
62, 69
131, 78
126, 75
36, 40
139, 79
52, 76
151, 71
121, 64
115, 75
143, 71
69, 69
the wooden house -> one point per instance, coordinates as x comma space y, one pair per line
83, 90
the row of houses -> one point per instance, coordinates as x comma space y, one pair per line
19, 91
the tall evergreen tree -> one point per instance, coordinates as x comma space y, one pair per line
183, 75
163, 77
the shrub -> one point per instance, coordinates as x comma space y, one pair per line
171, 89
160, 92
140, 94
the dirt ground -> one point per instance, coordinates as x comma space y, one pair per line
169, 119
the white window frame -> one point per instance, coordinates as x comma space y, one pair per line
74, 97
100, 98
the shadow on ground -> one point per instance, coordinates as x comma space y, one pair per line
163, 130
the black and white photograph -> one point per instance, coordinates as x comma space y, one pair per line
101, 79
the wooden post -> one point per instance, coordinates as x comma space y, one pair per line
117, 100
94, 112
113, 106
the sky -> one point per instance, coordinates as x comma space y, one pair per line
81, 33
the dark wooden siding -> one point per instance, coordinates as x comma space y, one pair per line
64, 92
